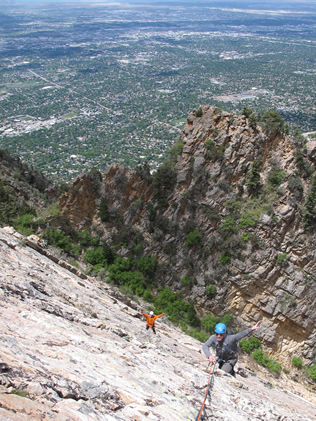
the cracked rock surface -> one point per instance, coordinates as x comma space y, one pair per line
74, 349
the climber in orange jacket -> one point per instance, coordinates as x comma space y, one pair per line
150, 319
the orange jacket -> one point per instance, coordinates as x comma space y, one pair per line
151, 319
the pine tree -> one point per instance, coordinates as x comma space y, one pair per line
309, 211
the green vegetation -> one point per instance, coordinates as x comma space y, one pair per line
74, 263
178, 310
297, 362
207, 326
96, 178
176, 151
249, 218
127, 121
281, 259
266, 361
253, 346
26, 224
104, 211
73, 243
62, 241
245, 237
246, 112
309, 211
249, 345
214, 152
273, 124
13, 210
306, 168
296, 187
228, 226
225, 258
310, 371
69, 115
20, 392
209, 322
199, 112
210, 291
250, 115
188, 281
164, 183
276, 176
253, 178
193, 238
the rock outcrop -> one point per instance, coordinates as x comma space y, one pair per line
254, 249
73, 348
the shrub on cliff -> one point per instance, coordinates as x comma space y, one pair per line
311, 372
12, 207
164, 182
214, 152
104, 211
95, 257
62, 241
273, 124
102, 255
193, 238
306, 168
276, 176
296, 187
209, 322
309, 211
253, 178
297, 362
249, 114
143, 171
147, 264
95, 177
178, 310
199, 112
210, 291
266, 361
249, 345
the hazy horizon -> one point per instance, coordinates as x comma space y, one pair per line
232, 3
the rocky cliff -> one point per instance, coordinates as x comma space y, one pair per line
226, 211
73, 348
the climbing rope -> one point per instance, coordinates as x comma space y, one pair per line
209, 386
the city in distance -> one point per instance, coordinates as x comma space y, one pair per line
86, 84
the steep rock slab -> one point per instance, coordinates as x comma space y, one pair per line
73, 352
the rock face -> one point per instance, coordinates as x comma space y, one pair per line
73, 348
254, 249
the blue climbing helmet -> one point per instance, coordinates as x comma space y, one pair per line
220, 328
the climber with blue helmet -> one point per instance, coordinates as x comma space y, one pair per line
225, 346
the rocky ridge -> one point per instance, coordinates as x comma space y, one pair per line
73, 348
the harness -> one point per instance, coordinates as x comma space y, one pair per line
225, 352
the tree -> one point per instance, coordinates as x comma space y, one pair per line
104, 211
276, 176
164, 180
95, 177
272, 123
309, 211
199, 112
246, 112
253, 178
250, 115
193, 238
